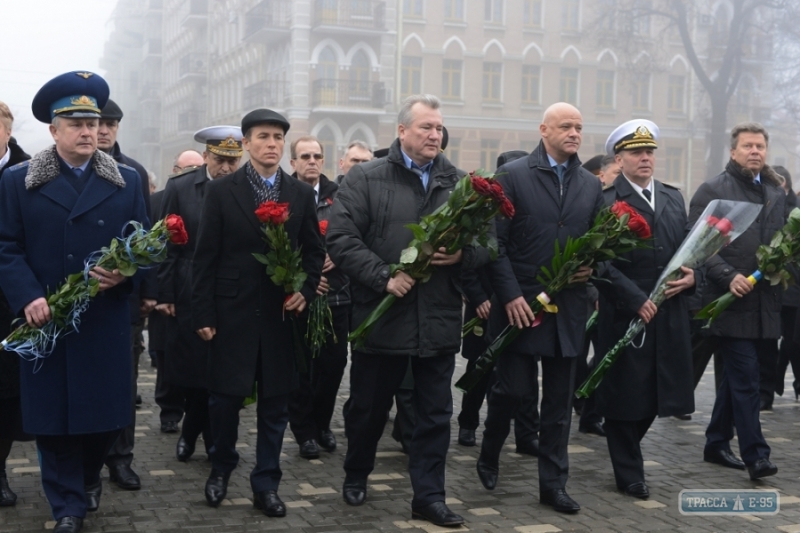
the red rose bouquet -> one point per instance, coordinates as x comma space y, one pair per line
320, 317
616, 230
464, 219
721, 223
139, 249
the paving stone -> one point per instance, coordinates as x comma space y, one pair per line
483, 511
540, 528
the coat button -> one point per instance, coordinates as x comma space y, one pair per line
660, 248
101, 223
69, 257
560, 224
385, 273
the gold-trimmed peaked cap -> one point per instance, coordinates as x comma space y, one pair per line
632, 135
79, 94
225, 141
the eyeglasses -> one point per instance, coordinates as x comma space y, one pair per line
306, 157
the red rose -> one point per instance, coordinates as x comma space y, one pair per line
273, 213
176, 229
636, 222
724, 226
621, 208
712, 221
481, 185
497, 191
323, 227
507, 208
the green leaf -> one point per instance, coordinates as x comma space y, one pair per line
418, 231
409, 255
127, 269
261, 258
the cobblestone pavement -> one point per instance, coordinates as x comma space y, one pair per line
172, 499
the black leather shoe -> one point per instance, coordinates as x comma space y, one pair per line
68, 524
437, 513
327, 441
269, 502
466, 437
488, 474
216, 487
309, 449
595, 428
124, 476
355, 492
637, 490
138, 400
183, 450
529, 448
559, 500
169, 427
762, 468
682, 417
766, 405
7, 496
724, 458
93, 493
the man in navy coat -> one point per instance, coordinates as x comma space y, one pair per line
67, 202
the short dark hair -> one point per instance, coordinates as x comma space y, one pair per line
782, 171
747, 127
304, 138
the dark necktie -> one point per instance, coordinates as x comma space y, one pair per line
647, 194
78, 180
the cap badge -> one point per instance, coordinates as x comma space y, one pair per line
83, 100
85, 75
642, 133
229, 143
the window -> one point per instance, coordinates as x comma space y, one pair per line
412, 8
530, 84
453, 151
454, 10
532, 13
327, 73
608, 10
491, 81
675, 94
640, 23
674, 165
568, 86
359, 76
451, 79
493, 11
490, 149
570, 11
411, 76
640, 92
328, 143
605, 89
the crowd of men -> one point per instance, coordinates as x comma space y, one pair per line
220, 331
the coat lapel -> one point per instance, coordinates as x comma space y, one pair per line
535, 162
632, 197
95, 192
288, 191
243, 194
61, 192
661, 198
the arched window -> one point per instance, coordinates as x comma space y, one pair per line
327, 73
328, 141
359, 76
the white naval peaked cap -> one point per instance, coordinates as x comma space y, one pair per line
221, 140
634, 134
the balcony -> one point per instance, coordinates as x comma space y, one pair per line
190, 121
273, 94
196, 14
368, 15
268, 21
191, 66
348, 94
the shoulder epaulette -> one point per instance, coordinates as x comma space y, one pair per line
608, 187
668, 186
19, 165
127, 167
186, 170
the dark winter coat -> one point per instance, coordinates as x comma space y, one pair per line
156, 322
186, 360
543, 216
365, 237
655, 379
47, 229
758, 314
232, 292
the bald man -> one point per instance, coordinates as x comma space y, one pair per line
554, 198
186, 160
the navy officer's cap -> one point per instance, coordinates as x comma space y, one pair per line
264, 116
80, 94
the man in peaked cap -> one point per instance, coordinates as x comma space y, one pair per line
67, 202
235, 303
654, 379
141, 302
186, 355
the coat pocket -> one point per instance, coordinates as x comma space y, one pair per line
384, 212
227, 282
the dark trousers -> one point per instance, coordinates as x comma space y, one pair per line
311, 405
703, 349
404, 419
169, 397
624, 446
737, 403
517, 377
122, 451
767, 369
272, 414
197, 417
583, 367
69, 463
526, 420
373, 382
790, 351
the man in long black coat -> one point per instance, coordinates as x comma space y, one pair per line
654, 379
554, 199
186, 358
243, 314
753, 322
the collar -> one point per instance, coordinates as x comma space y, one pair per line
639, 189
757, 179
270, 180
44, 168
208, 174
82, 167
553, 162
6, 157
411, 164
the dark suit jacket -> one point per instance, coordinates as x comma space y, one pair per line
232, 292
156, 322
543, 216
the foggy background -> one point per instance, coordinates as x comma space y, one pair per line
339, 69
